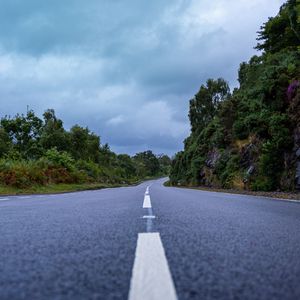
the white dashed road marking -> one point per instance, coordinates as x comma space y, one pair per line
147, 201
149, 217
151, 277
4, 199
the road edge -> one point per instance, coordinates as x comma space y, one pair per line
266, 195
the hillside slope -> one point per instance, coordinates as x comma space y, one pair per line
250, 138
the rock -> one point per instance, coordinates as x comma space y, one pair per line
297, 137
250, 170
247, 154
297, 153
298, 176
213, 156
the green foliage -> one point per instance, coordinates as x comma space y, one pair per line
127, 165
164, 163
21, 173
147, 164
282, 31
92, 170
106, 156
24, 132
5, 143
205, 103
59, 159
227, 167
84, 144
179, 168
53, 134
247, 138
42, 152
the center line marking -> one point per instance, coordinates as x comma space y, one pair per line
149, 217
4, 199
151, 276
147, 202
147, 190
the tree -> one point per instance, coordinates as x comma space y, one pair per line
149, 162
24, 131
79, 142
5, 142
126, 163
165, 163
107, 157
282, 31
84, 144
53, 133
253, 133
93, 147
204, 105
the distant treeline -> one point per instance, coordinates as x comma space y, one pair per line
250, 138
36, 151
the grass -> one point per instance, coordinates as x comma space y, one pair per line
64, 188
55, 188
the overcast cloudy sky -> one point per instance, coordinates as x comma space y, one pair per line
124, 68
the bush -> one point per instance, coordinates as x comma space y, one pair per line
20, 174
240, 129
90, 168
36, 151
60, 159
23, 174
227, 168
262, 183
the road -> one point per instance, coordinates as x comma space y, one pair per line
149, 242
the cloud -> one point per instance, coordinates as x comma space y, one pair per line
126, 69
115, 121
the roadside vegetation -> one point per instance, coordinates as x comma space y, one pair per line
39, 155
250, 138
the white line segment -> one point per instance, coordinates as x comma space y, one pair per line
151, 277
147, 202
4, 199
149, 217
147, 190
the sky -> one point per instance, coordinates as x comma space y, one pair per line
126, 69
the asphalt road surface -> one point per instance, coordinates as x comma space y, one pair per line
149, 242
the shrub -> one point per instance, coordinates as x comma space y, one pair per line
227, 168
90, 168
262, 183
240, 129
60, 159
16, 173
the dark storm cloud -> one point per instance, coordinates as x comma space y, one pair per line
38, 27
125, 68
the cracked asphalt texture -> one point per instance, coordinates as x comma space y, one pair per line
82, 245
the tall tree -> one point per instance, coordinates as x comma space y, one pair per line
149, 162
5, 142
53, 133
282, 31
24, 131
84, 144
204, 105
